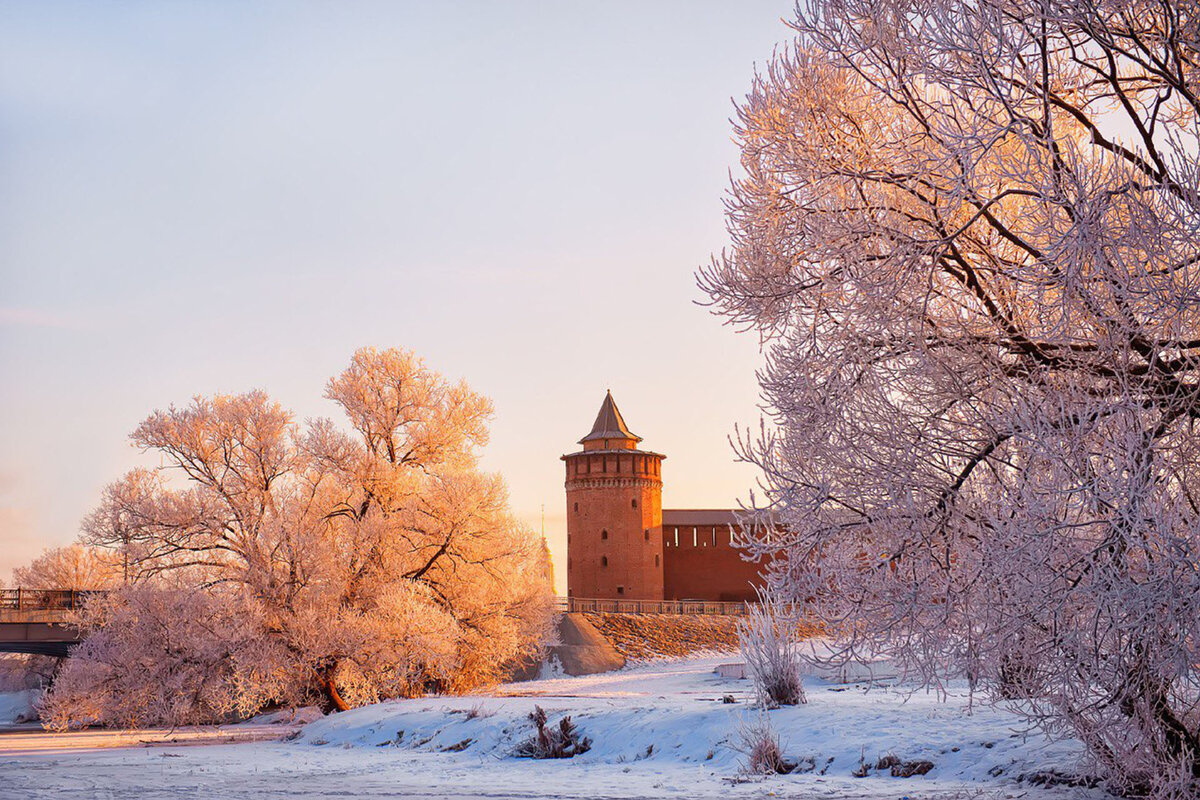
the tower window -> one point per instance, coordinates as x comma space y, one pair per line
577, 507
634, 501
604, 561
603, 534
647, 534
620, 590
656, 561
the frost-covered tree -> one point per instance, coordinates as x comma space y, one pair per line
383, 562
969, 236
74, 566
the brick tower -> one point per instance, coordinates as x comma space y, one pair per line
614, 513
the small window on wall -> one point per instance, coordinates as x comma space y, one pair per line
577, 506
634, 502
656, 561
646, 533
604, 561
620, 590
603, 534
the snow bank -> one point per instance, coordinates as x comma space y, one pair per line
673, 716
17, 706
286, 716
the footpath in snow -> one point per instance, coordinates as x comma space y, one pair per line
658, 730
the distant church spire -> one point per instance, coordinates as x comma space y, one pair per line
609, 423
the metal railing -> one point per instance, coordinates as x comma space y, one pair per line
43, 599
573, 605
71, 599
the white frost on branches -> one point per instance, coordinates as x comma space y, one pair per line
768, 636
167, 655
74, 566
362, 565
969, 236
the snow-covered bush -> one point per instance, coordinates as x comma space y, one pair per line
769, 643
553, 741
764, 754
168, 656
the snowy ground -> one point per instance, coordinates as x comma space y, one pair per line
658, 730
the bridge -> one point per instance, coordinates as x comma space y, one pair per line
35, 620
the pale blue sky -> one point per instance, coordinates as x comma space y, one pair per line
214, 197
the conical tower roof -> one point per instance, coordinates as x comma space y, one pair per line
609, 423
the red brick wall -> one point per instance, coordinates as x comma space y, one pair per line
701, 563
614, 524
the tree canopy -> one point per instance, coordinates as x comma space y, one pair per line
967, 234
362, 564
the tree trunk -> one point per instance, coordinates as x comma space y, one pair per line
331, 699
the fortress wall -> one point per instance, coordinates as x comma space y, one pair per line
700, 563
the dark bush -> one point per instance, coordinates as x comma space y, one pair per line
561, 741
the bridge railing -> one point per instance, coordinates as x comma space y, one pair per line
43, 599
593, 605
